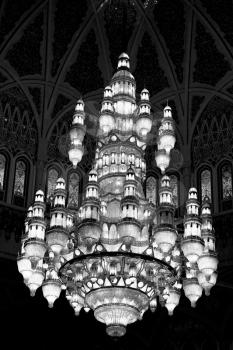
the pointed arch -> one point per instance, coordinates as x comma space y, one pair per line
21, 178
18, 130
4, 172
152, 189
225, 185
175, 189
73, 187
204, 181
53, 173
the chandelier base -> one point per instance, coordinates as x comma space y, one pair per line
116, 330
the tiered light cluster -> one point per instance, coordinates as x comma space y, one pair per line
118, 255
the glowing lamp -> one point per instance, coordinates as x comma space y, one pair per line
35, 280
207, 263
143, 125
35, 248
75, 154
165, 237
51, 290
153, 304
192, 290
106, 122
172, 301
56, 239
207, 282
167, 140
162, 159
24, 266
192, 247
77, 131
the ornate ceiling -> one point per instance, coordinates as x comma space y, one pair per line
51, 52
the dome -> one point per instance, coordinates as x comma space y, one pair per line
39, 193
144, 91
192, 189
60, 180
80, 101
93, 172
123, 74
167, 108
124, 55
165, 178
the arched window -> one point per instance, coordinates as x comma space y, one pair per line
73, 190
51, 181
19, 183
226, 186
3, 164
174, 187
151, 189
206, 184
2, 170
226, 182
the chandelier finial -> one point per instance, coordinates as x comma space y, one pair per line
123, 61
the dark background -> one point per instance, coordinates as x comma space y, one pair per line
53, 52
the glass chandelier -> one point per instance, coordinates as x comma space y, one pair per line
119, 255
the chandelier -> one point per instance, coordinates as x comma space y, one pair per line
119, 255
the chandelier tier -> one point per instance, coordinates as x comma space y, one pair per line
119, 254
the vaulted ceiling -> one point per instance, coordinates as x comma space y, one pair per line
51, 52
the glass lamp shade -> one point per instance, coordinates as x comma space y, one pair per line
143, 125
77, 131
153, 304
51, 290
35, 248
24, 267
77, 309
76, 154
56, 239
167, 140
172, 300
165, 237
129, 230
192, 247
106, 122
35, 280
207, 282
207, 263
192, 290
162, 159
90, 232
